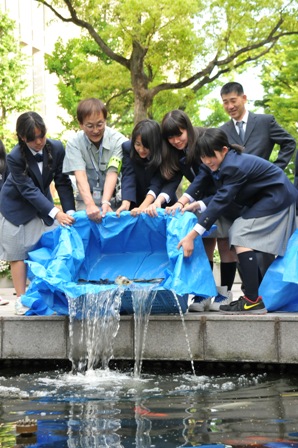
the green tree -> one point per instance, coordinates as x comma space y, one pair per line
12, 77
280, 82
154, 47
76, 63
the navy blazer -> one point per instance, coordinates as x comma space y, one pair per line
3, 176
258, 186
138, 179
25, 196
261, 134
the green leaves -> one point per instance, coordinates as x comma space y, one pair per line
150, 54
12, 77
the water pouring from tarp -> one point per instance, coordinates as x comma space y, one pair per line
94, 320
143, 293
142, 299
93, 326
185, 332
98, 253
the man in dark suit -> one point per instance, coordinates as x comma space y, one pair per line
261, 131
258, 133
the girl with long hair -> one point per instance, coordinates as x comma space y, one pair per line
27, 208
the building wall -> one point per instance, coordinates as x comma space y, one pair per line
38, 30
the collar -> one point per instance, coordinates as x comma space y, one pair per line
244, 118
34, 152
104, 141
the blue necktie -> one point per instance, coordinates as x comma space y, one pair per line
38, 157
241, 130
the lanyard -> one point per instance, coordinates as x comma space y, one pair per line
94, 162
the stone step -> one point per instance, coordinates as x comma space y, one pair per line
212, 336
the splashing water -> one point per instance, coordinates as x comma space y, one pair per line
93, 324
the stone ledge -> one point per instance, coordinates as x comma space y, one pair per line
212, 337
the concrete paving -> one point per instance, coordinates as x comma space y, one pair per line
212, 336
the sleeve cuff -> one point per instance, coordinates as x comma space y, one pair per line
166, 196
54, 212
202, 206
152, 193
190, 198
199, 229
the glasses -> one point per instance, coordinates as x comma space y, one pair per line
98, 125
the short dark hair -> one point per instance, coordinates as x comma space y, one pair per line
230, 87
90, 106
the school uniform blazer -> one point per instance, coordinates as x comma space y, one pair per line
3, 176
25, 196
138, 179
262, 133
258, 186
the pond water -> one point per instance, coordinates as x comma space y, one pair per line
167, 406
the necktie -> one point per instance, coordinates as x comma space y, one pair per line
38, 157
241, 130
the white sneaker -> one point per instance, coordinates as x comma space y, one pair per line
199, 304
3, 301
224, 297
20, 309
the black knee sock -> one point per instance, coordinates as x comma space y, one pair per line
250, 273
227, 274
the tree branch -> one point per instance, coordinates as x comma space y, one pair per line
205, 73
83, 24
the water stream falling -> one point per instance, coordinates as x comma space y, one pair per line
185, 332
142, 299
93, 324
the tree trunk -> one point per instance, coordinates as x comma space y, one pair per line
142, 104
143, 96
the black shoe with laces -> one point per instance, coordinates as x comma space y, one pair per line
244, 306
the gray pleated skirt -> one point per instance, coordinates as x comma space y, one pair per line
17, 241
223, 226
268, 234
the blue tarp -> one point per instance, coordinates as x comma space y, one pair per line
279, 287
136, 247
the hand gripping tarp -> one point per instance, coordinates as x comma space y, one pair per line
136, 247
279, 287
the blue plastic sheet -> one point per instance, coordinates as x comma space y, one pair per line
279, 287
136, 247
